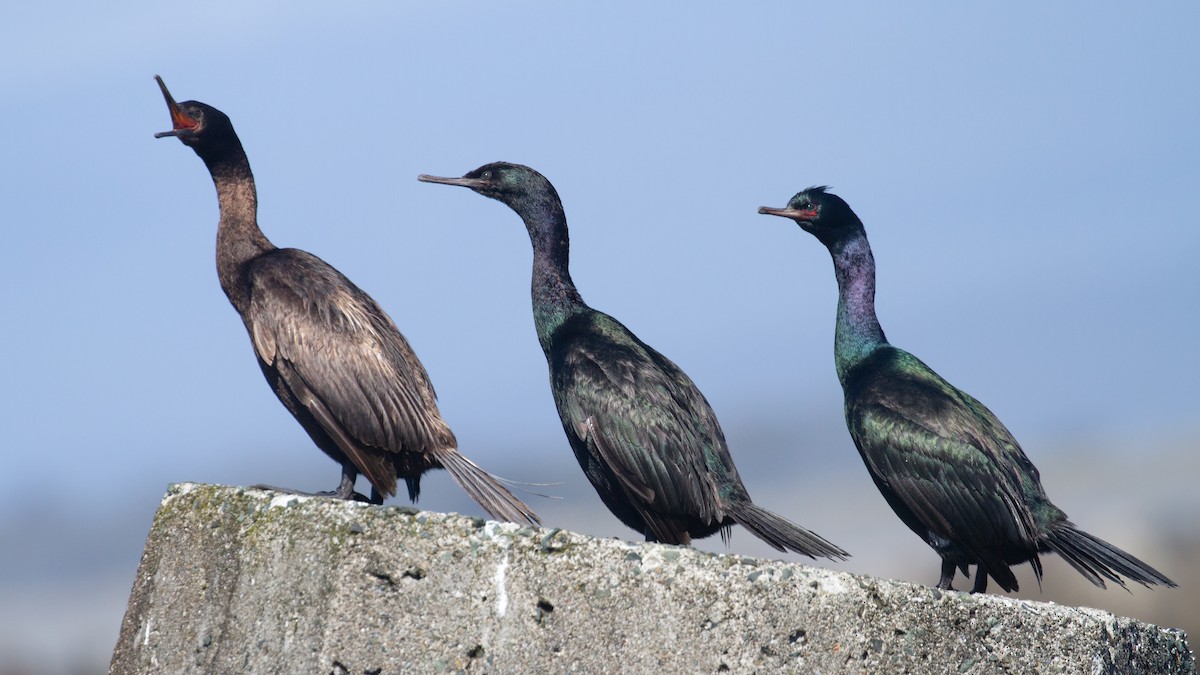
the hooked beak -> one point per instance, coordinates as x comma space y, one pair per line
473, 183
794, 214
180, 121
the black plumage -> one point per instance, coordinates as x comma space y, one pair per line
334, 358
642, 432
943, 461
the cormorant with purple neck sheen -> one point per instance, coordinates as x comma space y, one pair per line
642, 432
943, 461
330, 353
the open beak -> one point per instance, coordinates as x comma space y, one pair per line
473, 183
180, 121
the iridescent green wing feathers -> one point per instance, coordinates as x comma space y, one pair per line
642, 416
941, 454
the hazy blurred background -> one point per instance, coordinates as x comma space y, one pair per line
1027, 175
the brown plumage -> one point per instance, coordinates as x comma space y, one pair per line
334, 358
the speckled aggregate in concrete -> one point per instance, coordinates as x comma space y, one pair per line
237, 580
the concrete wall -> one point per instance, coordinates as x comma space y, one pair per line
235, 580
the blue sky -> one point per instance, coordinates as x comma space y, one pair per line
1026, 175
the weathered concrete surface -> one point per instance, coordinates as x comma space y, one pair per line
245, 581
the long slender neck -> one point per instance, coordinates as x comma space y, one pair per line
858, 332
555, 297
239, 239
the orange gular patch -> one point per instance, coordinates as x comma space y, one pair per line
180, 120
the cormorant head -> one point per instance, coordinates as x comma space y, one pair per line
516, 185
823, 214
198, 125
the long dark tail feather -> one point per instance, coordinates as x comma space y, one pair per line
782, 533
484, 489
1098, 560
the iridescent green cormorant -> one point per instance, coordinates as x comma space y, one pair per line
331, 355
942, 460
642, 432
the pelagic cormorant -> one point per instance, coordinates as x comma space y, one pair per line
942, 460
642, 432
332, 356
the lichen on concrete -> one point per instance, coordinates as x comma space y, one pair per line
240, 580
